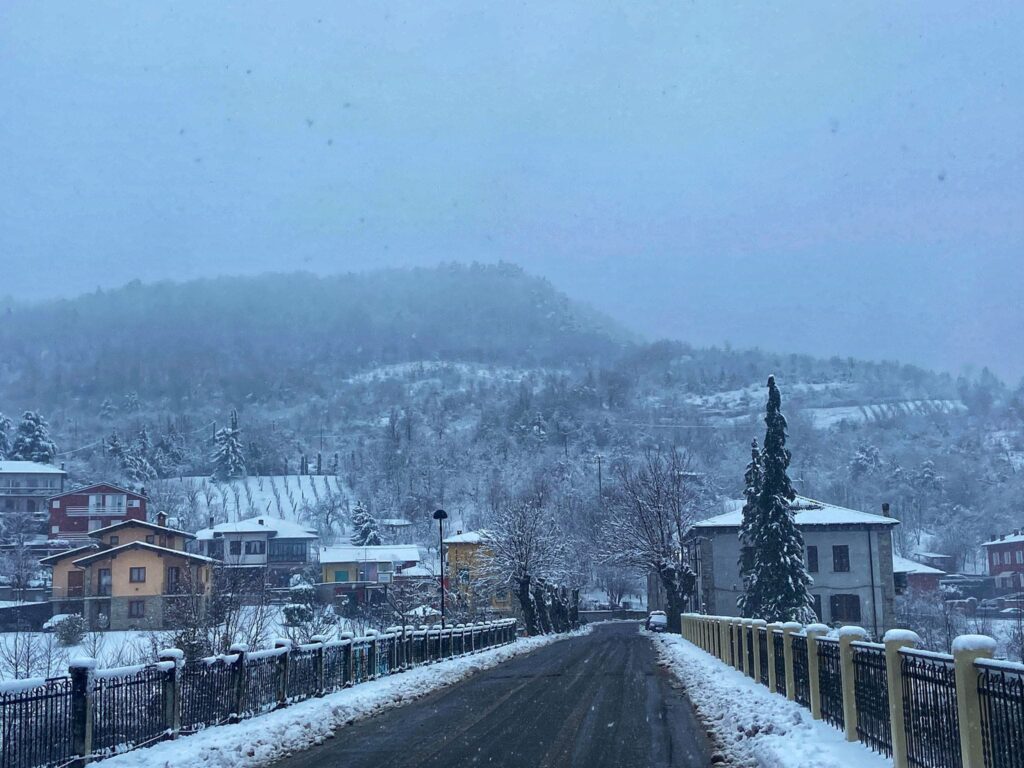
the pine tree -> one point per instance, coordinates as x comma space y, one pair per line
32, 440
5, 443
364, 528
752, 488
113, 446
107, 409
228, 462
777, 586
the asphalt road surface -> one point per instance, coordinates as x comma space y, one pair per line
593, 701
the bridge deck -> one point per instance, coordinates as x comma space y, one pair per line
594, 701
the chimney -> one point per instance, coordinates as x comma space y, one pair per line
260, 521
885, 509
161, 519
458, 533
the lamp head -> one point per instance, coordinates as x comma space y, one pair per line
440, 515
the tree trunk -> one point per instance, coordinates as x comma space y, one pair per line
574, 609
678, 583
529, 609
544, 619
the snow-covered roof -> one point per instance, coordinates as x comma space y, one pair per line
808, 513
416, 570
395, 522
470, 537
55, 558
275, 526
1010, 538
101, 554
29, 467
381, 553
86, 488
140, 524
903, 565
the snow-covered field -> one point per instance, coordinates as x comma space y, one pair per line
754, 727
262, 740
823, 418
281, 496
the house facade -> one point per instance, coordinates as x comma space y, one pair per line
463, 555
279, 547
359, 574
849, 556
128, 576
1005, 557
75, 514
912, 576
26, 485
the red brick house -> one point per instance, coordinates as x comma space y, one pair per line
1005, 555
913, 576
74, 514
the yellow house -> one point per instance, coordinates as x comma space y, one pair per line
463, 554
129, 577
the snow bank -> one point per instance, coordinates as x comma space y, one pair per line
753, 726
270, 737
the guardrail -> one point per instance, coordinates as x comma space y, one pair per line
924, 709
94, 713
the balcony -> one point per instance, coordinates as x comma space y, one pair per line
95, 511
28, 490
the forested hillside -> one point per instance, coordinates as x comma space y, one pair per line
463, 385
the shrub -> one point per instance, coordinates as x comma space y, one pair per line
70, 631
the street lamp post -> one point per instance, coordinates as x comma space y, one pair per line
440, 515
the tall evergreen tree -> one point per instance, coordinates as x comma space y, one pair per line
364, 528
776, 589
32, 440
107, 409
751, 490
228, 462
5, 442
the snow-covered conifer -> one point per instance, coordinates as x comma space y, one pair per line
364, 528
32, 440
752, 488
5, 442
228, 462
776, 589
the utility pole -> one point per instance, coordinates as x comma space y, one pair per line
600, 485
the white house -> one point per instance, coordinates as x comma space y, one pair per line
280, 546
26, 485
848, 553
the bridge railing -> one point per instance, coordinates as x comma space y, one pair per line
924, 709
95, 713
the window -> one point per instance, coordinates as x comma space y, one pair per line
173, 579
840, 558
104, 582
288, 551
95, 525
1020, 556
150, 539
255, 547
341, 575
235, 547
133, 503
385, 567
136, 609
817, 606
55, 505
812, 559
115, 540
136, 575
845, 608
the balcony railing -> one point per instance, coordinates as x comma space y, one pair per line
95, 511
23, 490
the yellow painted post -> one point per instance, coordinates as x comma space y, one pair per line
814, 631
787, 652
894, 640
724, 629
773, 684
966, 649
847, 636
756, 625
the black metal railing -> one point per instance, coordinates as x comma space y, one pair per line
748, 644
801, 672
929, 710
1001, 692
128, 709
43, 722
780, 662
830, 682
35, 723
871, 691
762, 642
208, 692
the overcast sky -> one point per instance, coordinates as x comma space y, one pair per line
834, 178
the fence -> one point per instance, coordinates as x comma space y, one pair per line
924, 709
91, 714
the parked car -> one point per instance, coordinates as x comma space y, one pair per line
657, 622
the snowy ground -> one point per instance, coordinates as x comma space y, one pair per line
754, 727
264, 739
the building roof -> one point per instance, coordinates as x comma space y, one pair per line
395, 522
903, 565
87, 488
808, 514
469, 537
1010, 538
274, 526
382, 553
417, 571
140, 524
56, 558
29, 467
102, 554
